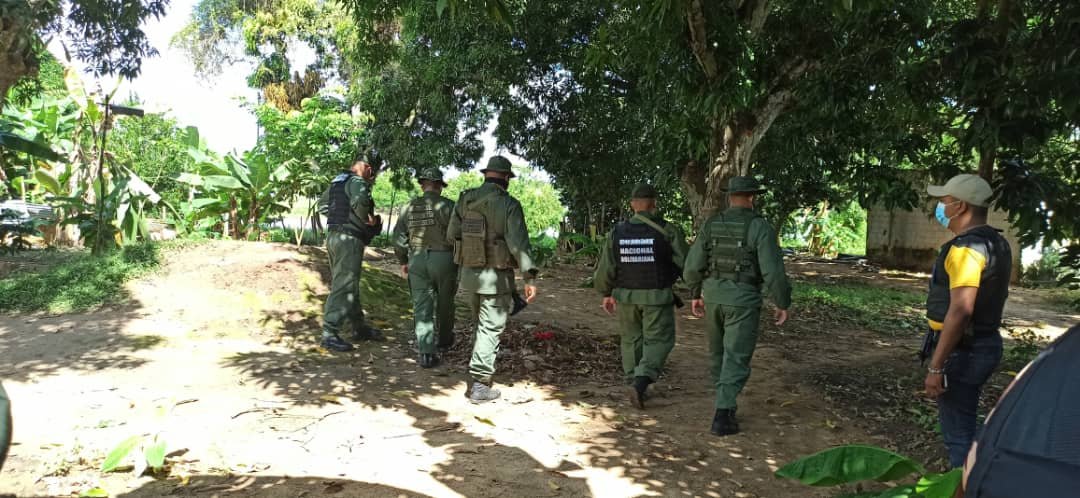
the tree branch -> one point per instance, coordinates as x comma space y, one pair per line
699, 41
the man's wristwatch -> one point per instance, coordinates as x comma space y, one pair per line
936, 371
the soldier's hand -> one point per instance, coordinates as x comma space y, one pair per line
609, 305
697, 307
405, 270
530, 293
781, 316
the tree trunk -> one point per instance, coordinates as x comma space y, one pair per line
987, 159
16, 55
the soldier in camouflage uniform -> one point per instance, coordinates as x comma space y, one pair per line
351, 223
735, 257
490, 241
641, 260
428, 260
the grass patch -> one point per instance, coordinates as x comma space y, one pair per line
1064, 300
80, 282
874, 308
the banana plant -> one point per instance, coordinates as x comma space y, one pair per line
239, 193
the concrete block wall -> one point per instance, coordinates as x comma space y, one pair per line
910, 240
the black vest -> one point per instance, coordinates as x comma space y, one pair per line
993, 283
337, 216
642, 258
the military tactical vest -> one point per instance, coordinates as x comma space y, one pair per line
426, 230
730, 255
993, 283
481, 245
643, 258
337, 216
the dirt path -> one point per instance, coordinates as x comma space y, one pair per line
216, 357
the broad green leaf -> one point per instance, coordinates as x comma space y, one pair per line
847, 5
222, 182
75, 86
191, 137
204, 202
190, 179
16, 143
848, 464
117, 455
52, 185
940, 485
94, 493
239, 170
155, 454
440, 7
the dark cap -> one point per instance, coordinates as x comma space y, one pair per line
644, 191
499, 164
744, 185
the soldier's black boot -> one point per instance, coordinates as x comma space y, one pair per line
429, 360
724, 424
482, 393
519, 304
638, 390
445, 345
366, 332
335, 343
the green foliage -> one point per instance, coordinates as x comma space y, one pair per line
1024, 347
241, 194
394, 189
855, 463
585, 248
827, 232
876, 308
154, 147
847, 464
539, 201
383, 240
106, 35
544, 248
78, 283
119, 453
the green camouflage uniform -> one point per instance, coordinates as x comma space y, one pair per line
488, 288
346, 252
5, 425
420, 242
733, 304
646, 316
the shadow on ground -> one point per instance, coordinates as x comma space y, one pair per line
635, 450
35, 346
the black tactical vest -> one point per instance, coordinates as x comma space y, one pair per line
993, 284
642, 258
338, 213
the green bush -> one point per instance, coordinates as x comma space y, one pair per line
81, 282
382, 240
543, 248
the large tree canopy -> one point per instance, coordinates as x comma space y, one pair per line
106, 34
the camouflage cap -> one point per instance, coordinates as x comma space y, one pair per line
743, 185
431, 174
643, 191
499, 164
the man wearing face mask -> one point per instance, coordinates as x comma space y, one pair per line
968, 288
